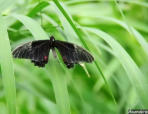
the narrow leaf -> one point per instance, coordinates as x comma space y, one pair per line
135, 76
7, 68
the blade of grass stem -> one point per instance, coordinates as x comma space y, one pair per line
82, 41
130, 29
135, 76
32, 26
7, 68
133, 32
31, 13
59, 83
75, 2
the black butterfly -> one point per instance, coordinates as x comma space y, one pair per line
38, 52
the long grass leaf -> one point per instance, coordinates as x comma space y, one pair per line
60, 89
133, 32
130, 29
50, 106
134, 74
31, 13
75, 29
7, 68
32, 26
141, 3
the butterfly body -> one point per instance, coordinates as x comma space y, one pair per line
38, 52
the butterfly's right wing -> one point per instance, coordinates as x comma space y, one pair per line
72, 54
36, 51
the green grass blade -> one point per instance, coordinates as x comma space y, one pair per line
130, 29
141, 40
134, 74
7, 68
59, 83
31, 13
49, 105
68, 18
111, 68
75, 2
75, 29
32, 26
133, 32
37, 8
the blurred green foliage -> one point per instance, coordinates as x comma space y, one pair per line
114, 31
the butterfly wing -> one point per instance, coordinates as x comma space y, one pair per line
72, 54
36, 51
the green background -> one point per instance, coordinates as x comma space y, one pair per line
115, 32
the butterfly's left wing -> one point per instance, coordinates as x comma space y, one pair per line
72, 54
36, 51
